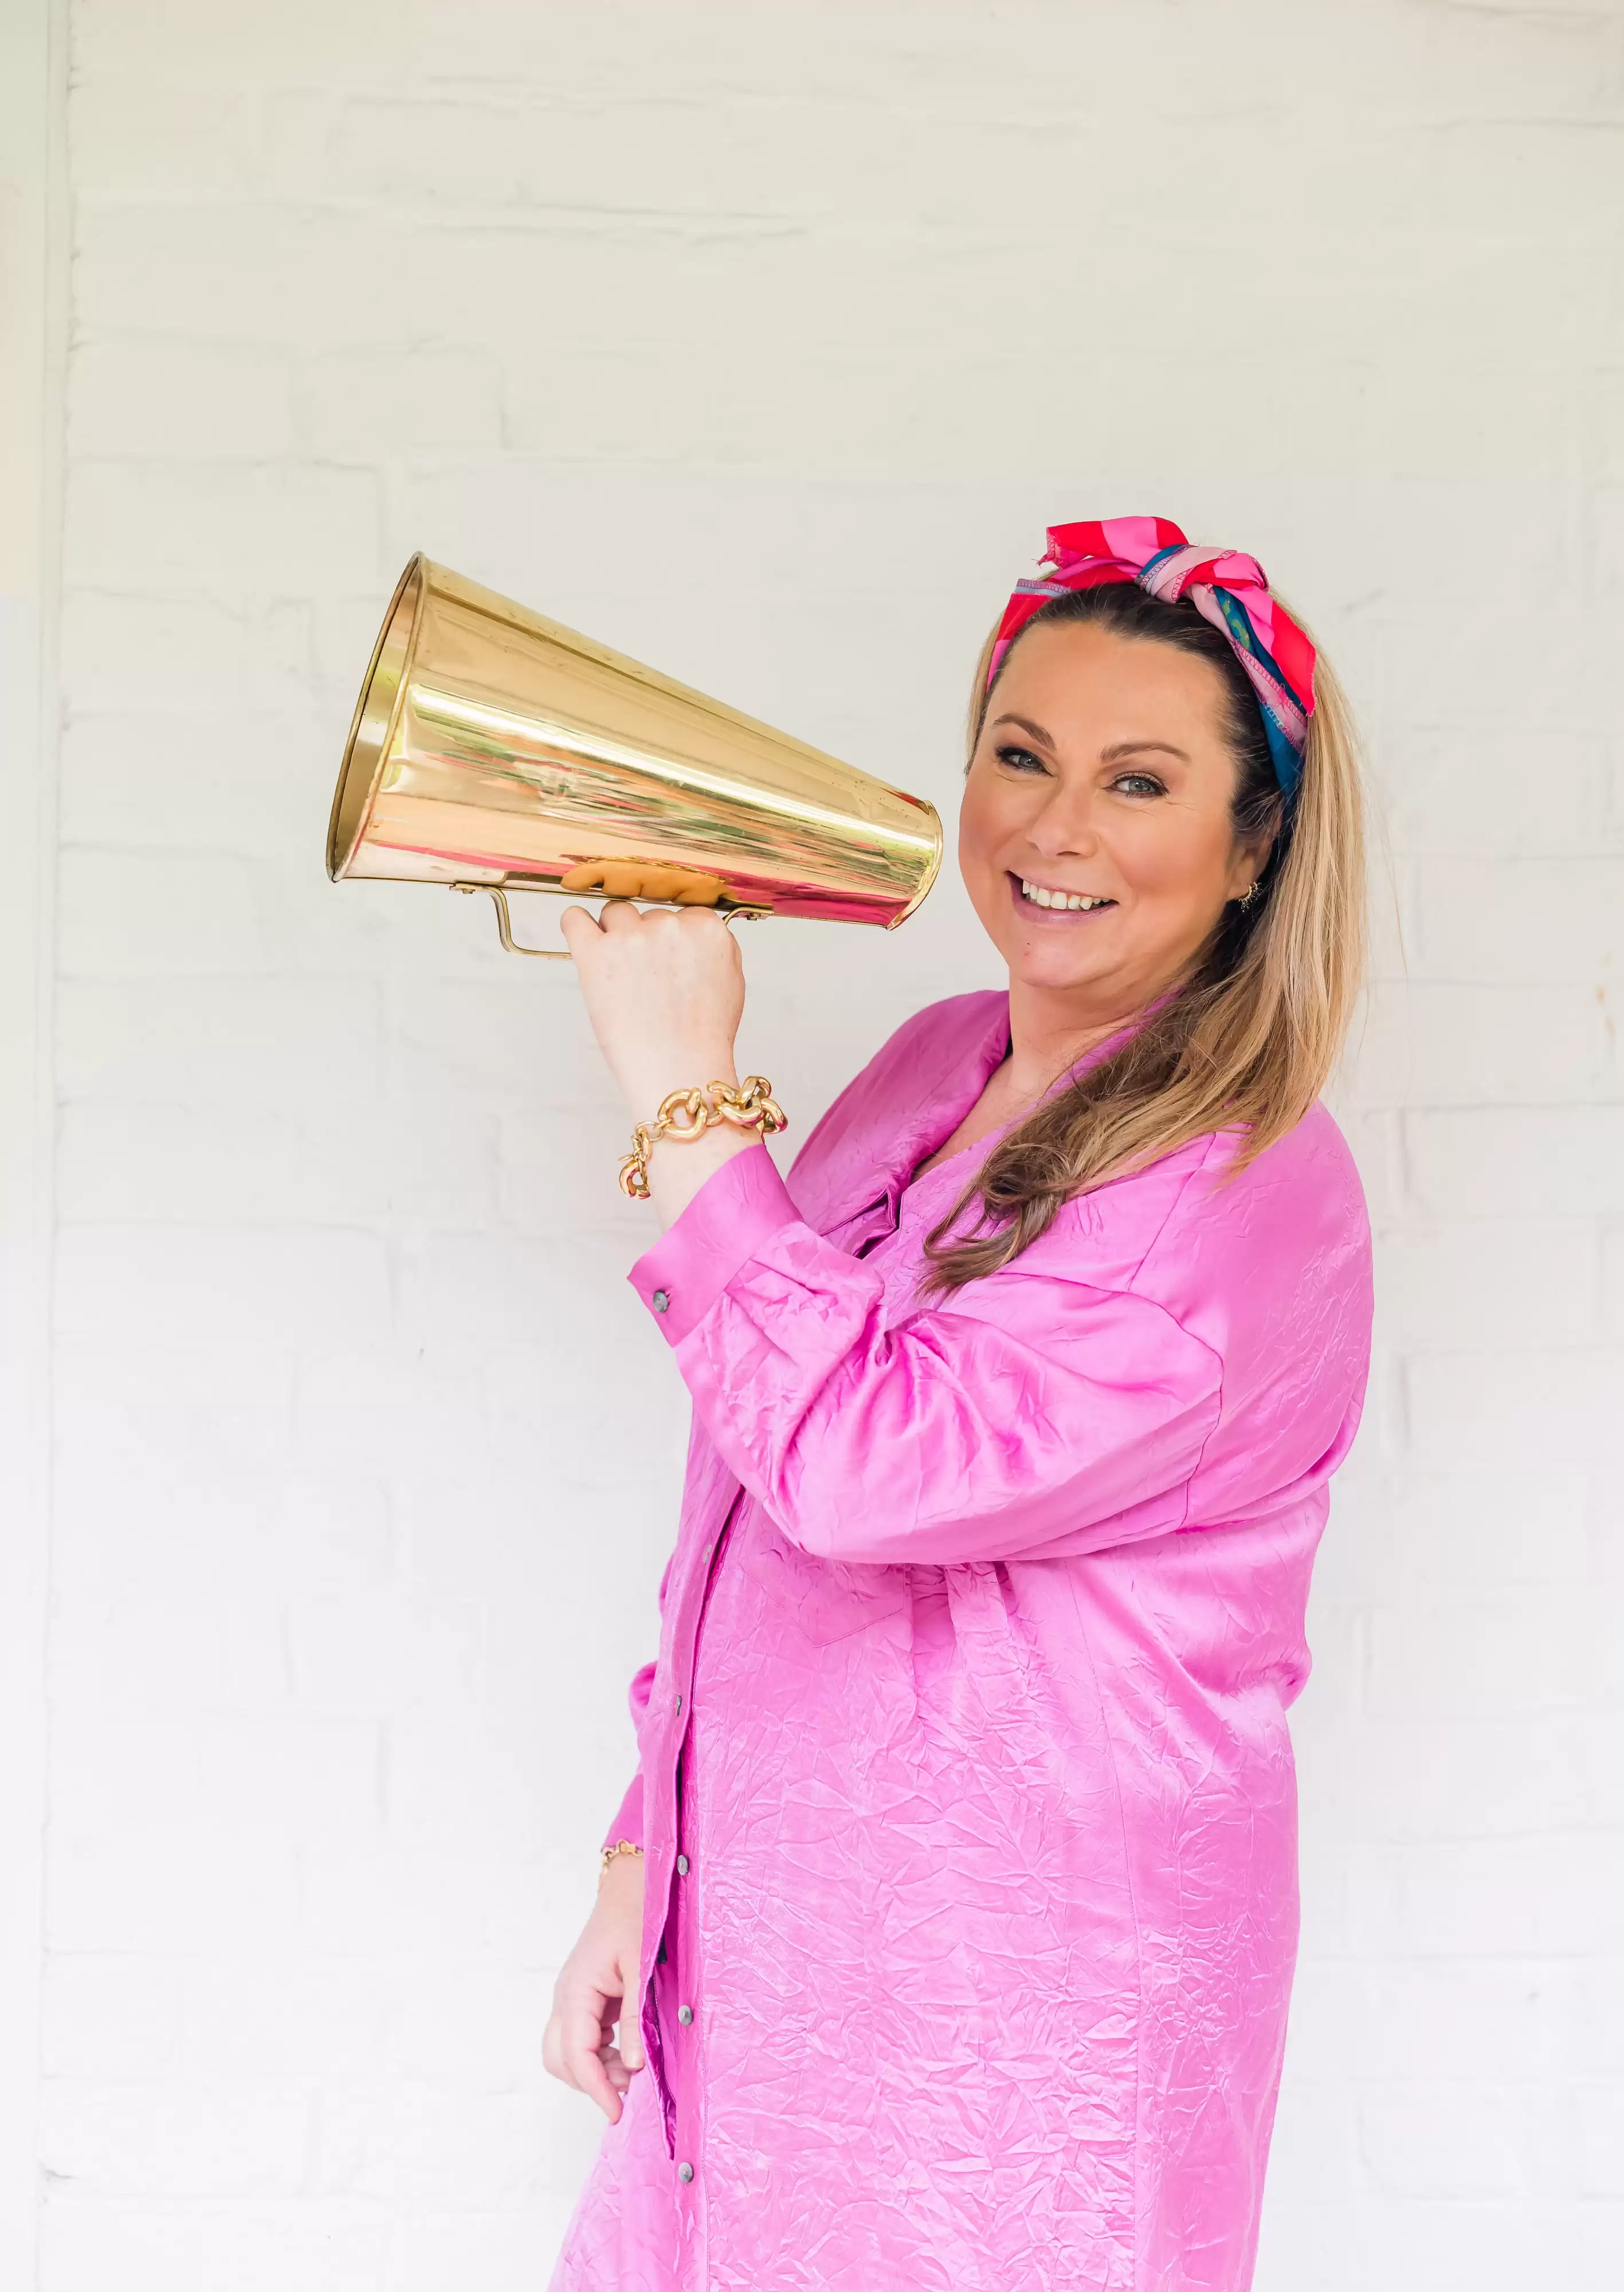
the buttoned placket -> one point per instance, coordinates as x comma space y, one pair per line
676, 1979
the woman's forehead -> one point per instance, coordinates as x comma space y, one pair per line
1085, 682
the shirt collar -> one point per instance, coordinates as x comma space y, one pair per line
898, 1112
909, 1103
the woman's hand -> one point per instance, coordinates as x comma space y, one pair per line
597, 1987
665, 993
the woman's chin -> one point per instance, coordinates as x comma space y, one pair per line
1061, 960
1055, 977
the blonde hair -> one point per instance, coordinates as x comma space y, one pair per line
1250, 1039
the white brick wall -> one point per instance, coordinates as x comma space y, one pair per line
364, 1462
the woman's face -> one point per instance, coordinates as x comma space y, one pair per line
1094, 837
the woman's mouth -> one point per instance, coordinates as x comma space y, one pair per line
1047, 899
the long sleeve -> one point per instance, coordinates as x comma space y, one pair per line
1030, 1414
627, 1823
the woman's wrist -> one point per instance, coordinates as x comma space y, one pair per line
679, 1145
648, 1079
618, 1865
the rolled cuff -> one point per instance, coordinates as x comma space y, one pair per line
734, 1212
628, 1823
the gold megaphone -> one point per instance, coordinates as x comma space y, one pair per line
492, 750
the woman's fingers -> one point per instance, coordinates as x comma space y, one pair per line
577, 2048
598, 1987
583, 2035
577, 924
670, 927
630, 2032
555, 2054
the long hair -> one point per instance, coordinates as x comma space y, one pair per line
1249, 1040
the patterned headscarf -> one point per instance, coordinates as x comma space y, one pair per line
1232, 590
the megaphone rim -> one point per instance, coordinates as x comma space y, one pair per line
412, 579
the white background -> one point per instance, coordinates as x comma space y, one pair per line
763, 342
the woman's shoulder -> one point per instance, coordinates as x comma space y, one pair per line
1266, 1266
1225, 1246
1299, 1198
1250, 1256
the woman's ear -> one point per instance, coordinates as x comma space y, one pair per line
1253, 853
1251, 858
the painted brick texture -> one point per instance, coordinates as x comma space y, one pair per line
763, 342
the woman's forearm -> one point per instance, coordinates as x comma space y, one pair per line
664, 992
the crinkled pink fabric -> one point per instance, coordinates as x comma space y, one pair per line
965, 1783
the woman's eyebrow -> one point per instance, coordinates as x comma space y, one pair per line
1120, 748
1114, 754
1027, 725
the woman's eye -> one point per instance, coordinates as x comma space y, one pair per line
1021, 760
1139, 783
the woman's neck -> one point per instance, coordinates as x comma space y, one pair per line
1049, 1033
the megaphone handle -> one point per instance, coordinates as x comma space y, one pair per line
505, 928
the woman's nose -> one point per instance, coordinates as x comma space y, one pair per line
1064, 828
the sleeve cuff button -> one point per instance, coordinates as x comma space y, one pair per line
661, 1300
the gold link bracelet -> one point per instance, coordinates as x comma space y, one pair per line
621, 1847
685, 1115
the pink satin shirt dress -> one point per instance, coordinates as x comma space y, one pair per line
965, 1786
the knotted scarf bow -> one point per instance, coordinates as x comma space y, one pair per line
1230, 590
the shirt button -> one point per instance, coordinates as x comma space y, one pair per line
681, 1866
679, 1706
661, 1300
685, 2015
685, 2172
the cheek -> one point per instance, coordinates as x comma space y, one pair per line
979, 826
1166, 854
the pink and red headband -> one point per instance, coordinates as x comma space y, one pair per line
1230, 590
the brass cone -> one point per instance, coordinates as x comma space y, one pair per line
492, 748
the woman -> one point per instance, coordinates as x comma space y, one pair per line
958, 1889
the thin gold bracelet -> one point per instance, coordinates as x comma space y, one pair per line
621, 1847
685, 1115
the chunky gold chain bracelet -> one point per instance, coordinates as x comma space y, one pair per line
685, 1115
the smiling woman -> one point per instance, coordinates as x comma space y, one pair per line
949, 1923
1118, 757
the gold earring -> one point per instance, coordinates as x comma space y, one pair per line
1249, 895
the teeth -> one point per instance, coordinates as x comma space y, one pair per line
1042, 898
